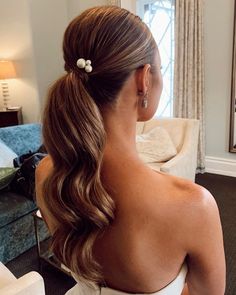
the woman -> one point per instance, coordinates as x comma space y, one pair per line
114, 221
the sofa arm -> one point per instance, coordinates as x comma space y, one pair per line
185, 162
30, 283
6, 277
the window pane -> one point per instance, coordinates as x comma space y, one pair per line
159, 16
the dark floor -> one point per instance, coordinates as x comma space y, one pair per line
223, 189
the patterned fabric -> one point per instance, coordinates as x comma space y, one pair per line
16, 221
155, 146
18, 236
189, 68
13, 206
23, 138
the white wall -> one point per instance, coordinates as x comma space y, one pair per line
218, 23
31, 35
129, 5
16, 45
48, 20
77, 6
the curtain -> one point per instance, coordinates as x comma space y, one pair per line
189, 68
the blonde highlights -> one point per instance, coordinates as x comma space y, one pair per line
117, 43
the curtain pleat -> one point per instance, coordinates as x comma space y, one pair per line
189, 68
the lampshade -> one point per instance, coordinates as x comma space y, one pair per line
7, 70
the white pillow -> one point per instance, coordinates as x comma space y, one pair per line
155, 146
6, 155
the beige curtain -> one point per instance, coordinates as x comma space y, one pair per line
188, 69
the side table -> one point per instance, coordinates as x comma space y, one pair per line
11, 117
43, 248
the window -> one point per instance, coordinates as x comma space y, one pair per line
159, 16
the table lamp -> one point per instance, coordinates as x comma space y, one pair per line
7, 71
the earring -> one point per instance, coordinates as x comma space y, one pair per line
145, 101
145, 98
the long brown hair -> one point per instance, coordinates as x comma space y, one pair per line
117, 42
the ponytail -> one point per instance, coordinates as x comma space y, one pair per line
74, 136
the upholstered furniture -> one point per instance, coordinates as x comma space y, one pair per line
30, 283
184, 136
16, 221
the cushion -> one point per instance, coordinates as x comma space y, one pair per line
155, 146
22, 138
6, 176
18, 206
6, 156
139, 127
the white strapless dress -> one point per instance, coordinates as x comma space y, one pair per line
174, 288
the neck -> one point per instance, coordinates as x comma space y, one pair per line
121, 134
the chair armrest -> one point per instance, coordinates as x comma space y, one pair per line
185, 162
6, 277
30, 283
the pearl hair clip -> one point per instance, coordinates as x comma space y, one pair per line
84, 64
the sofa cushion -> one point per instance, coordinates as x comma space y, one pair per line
13, 206
155, 166
6, 156
176, 128
139, 127
22, 138
155, 146
6, 176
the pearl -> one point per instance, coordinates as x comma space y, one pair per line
88, 69
81, 63
88, 62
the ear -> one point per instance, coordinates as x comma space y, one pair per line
143, 78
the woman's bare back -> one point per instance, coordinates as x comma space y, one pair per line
146, 245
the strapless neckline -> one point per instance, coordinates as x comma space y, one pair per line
175, 287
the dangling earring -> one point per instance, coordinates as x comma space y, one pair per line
145, 101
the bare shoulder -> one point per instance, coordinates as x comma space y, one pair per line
180, 199
42, 170
192, 194
202, 239
197, 201
189, 206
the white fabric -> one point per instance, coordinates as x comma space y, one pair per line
6, 155
174, 288
184, 134
155, 146
6, 277
30, 283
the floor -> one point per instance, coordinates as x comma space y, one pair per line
223, 189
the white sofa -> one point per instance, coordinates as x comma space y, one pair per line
184, 134
30, 283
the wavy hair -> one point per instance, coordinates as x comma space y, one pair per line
117, 42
